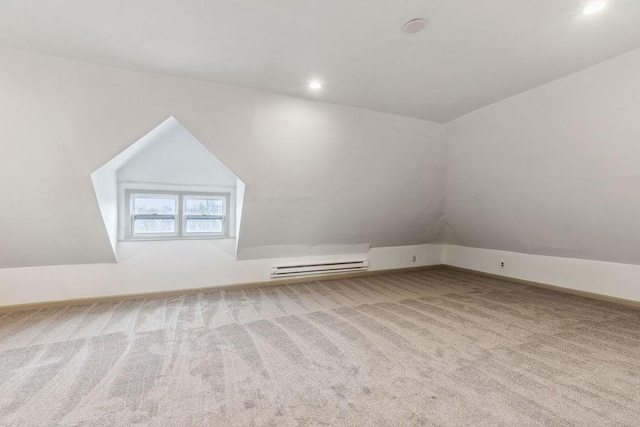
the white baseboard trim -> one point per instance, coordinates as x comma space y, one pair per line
115, 298
179, 266
590, 278
154, 274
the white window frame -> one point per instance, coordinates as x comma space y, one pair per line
180, 216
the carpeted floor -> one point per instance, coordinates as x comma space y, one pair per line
436, 347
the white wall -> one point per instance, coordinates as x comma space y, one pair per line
145, 267
604, 278
321, 180
553, 171
240, 187
316, 174
105, 183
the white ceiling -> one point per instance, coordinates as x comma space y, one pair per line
473, 53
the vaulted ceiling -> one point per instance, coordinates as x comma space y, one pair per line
472, 54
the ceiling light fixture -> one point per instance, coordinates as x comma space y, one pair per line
414, 26
595, 7
315, 85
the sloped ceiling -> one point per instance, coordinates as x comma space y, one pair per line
316, 174
473, 53
341, 177
178, 158
554, 171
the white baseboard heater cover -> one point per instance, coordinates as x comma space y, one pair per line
318, 268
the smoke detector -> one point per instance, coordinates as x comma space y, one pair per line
414, 26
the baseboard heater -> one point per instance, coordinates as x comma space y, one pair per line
318, 268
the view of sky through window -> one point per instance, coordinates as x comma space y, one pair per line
147, 205
163, 207
204, 206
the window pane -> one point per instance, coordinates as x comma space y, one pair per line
195, 206
152, 205
204, 225
154, 226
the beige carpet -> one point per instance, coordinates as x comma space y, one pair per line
431, 348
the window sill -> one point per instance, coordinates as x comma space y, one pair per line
174, 239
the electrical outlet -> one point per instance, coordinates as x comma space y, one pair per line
413, 259
501, 264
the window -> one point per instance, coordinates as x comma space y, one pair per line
203, 215
176, 215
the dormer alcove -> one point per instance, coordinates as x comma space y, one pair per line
168, 186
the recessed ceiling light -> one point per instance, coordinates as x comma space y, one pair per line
595, 7
414, 26
315, 85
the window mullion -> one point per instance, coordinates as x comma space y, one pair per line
180, 220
